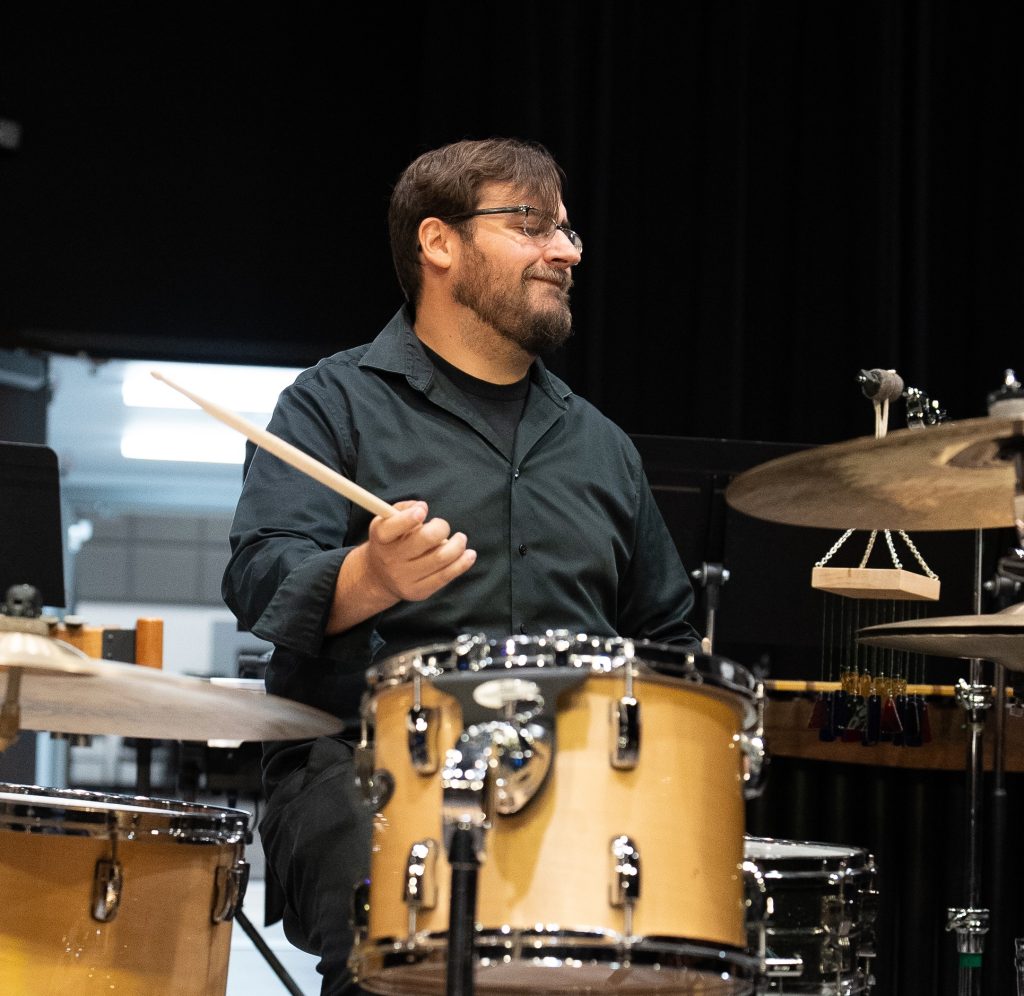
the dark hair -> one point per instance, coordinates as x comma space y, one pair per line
447, 181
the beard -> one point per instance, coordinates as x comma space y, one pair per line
507, 308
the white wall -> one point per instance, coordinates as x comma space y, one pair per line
188, 630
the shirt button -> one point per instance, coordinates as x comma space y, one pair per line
522, 627
515, 476
522, 549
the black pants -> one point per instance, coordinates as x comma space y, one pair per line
316, 837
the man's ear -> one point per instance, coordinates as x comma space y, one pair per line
436, 242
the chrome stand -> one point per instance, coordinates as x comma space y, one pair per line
971, 921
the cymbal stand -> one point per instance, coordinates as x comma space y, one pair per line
971, 921
711, 577
1004, 592
1010, 578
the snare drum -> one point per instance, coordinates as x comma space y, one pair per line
116, 894
612, 825
820, 903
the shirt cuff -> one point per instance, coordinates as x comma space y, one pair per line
296, 616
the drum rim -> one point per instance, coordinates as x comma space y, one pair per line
852, 862
506, 944
96, 814
847, 850
604, 654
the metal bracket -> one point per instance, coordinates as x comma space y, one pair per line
973, 697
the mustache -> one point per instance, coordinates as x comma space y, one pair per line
563, 278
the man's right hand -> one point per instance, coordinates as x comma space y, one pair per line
407, 557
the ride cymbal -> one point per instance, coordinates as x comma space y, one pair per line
61, 690
957, 475
995, 637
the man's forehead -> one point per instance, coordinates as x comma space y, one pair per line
505, 193
495, 194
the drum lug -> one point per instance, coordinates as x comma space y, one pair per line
760, 910
868, 912
229, 890
755, 763
377, 787
757, 908
755, 752
837, 913
420, 892
625, 717
421, 732
625, 871
420, 880
108, 879
625, 878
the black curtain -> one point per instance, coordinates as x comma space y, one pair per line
773, 195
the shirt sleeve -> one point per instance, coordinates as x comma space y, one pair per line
656, 597
289, 537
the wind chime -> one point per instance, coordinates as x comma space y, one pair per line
868, 698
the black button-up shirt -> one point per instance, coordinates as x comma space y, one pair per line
567, 532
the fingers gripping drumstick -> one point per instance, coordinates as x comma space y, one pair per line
288, 453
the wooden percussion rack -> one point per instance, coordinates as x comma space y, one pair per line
788, 708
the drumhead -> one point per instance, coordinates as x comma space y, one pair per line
801, 855
34, 808
600, 655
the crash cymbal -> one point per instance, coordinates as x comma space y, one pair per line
995, 637
950, 476
61, 690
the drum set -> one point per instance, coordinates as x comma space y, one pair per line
586, 794
554, 813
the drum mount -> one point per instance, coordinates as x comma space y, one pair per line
497, 765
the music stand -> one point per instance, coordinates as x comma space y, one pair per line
31, 536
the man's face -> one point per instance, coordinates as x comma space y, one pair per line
514, 283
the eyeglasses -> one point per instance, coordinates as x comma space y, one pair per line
537, 225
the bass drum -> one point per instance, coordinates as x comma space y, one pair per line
819, 903
614, 836
116, 894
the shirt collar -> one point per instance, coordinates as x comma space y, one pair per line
398, 350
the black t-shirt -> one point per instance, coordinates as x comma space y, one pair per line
499, 405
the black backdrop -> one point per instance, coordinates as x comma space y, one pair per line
772, 196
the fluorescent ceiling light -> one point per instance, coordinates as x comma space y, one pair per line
192, 444
240, 388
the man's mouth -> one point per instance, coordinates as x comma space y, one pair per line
563, 283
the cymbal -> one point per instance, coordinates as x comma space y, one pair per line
997, 636
948, 476
64, 691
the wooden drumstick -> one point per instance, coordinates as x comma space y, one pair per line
288, 453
